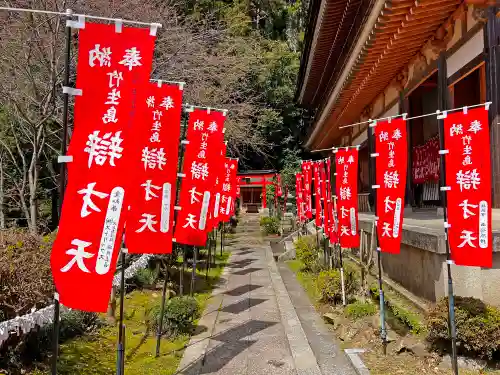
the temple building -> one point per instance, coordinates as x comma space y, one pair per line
252, 186
369, 59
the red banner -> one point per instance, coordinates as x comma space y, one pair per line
205, 134
215, 203
153, 184
299, 196
112, 71
279, 189
468, 174
324, 200
317, 194
346, 167
228, 188
425, 162
306, 176
391, 165
332, 228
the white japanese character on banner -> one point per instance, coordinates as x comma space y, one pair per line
344, 231
344, 212
167, 103
110, 116
199, 170
157, 115
345, 181
351, 159
202, 154
156, 126
397, 134
383, 136
465, 207
456, 129
198, 125
391, 163
391, 179
114, 78
79, 254
468, 179
194, 195
388, 202
148, 190
391, 145
226, 187
386, 230
148, 222
113, 97
466, 139
467, 238
154, 158
340, 160
190, 221
467, 150
87, 199
103, 56
155, 137
475, 127
212, 127
345, 193
131, 58
99, 149
150, 102
224, 199
467, 161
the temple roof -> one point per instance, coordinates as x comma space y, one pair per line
387, 39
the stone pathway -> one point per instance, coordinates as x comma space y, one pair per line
250, 326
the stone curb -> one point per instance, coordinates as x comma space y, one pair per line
303, 356
359, 366
197, 348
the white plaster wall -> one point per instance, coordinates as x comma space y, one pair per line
466, 53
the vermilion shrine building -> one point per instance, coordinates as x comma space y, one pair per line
367, 59
253, 189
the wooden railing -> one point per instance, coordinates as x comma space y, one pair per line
364, 203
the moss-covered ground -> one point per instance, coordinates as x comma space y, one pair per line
95, 353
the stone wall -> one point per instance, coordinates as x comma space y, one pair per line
421, 267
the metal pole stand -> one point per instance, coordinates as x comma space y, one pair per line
120, 365
193, 272
342, 280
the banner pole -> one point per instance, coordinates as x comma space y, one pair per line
221, 238
62, 184
193, 271
165, 282
443, 101
121, 349
383, 331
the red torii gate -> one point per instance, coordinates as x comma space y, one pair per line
257, 178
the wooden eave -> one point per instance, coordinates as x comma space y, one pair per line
403, 27
334, 34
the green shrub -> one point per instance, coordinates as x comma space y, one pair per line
360, 309
405, 316
146, 277
478, 327
179, 315
307, 252
329, 285
270, 225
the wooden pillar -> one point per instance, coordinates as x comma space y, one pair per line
492, 56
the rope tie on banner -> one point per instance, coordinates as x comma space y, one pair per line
79, 24
72, 91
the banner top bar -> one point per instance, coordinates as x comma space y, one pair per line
69, 13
